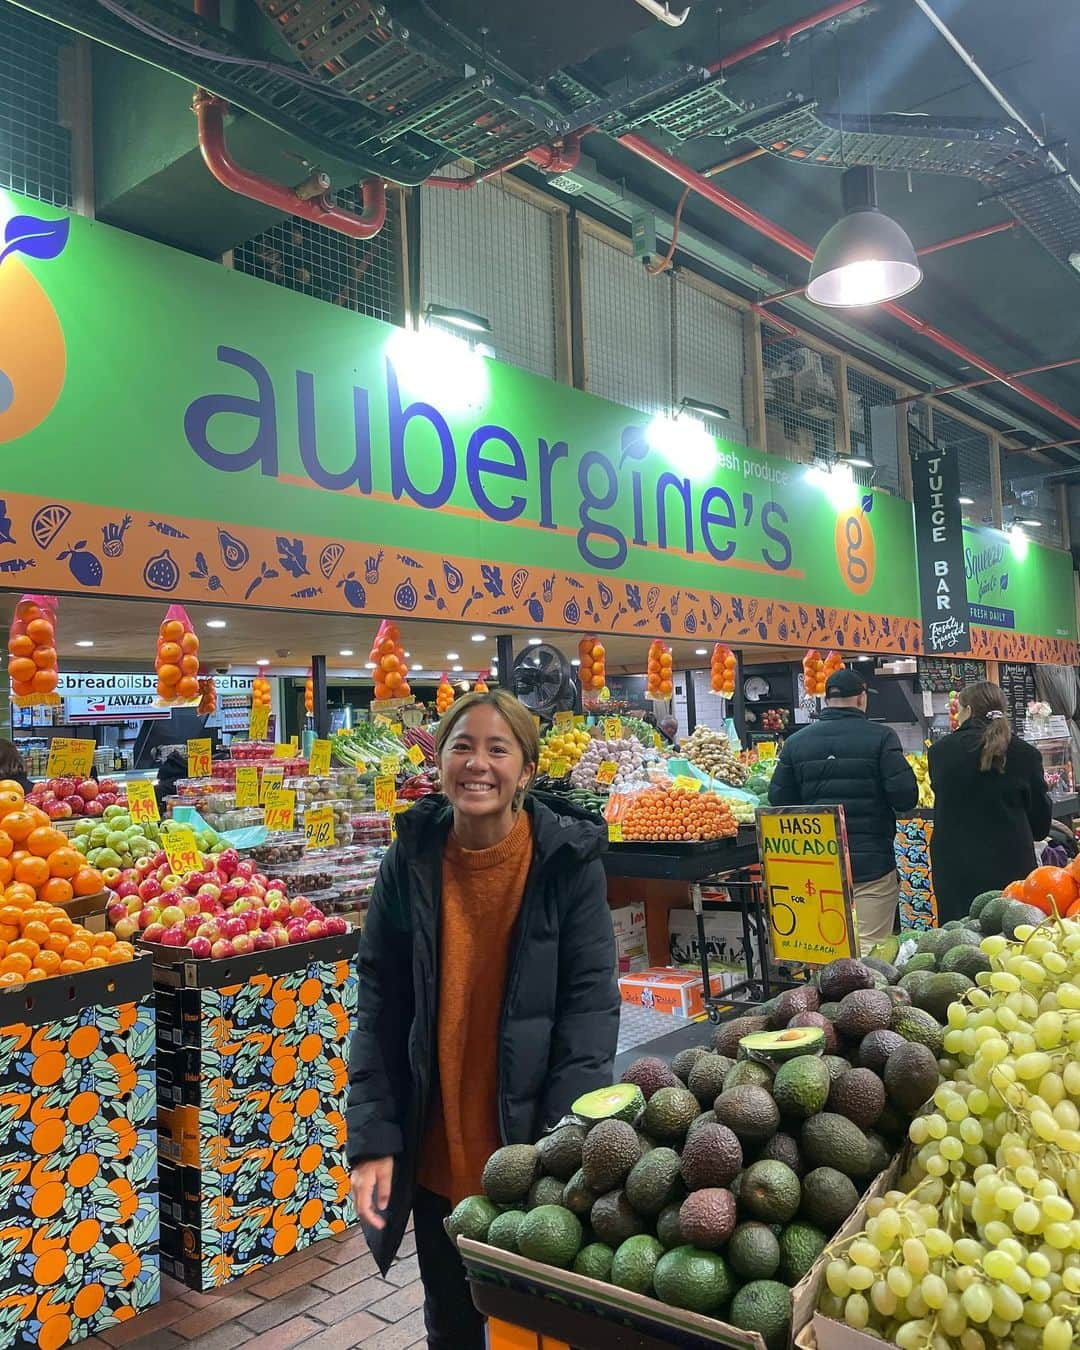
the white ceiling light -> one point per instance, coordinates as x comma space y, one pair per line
966, 501
86, 642
575, 662
1029, 521
451, 656
479, 637
459, 667
262, 661
865, 258
216, 623
407, 655
535, 642
701, 651
345, 651
369, 665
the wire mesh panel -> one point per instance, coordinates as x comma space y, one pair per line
35, 150
492, 253
973, 449
802, 400
358, 274
627, 325
872, 419
1029, 500
710, 361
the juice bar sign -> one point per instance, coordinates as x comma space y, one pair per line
939, 546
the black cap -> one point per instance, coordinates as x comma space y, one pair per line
845, 684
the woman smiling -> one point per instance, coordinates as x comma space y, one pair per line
488, 998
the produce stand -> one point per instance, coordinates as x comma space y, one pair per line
79, 1159
251, 1092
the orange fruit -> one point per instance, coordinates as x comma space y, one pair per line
11, 798
168, 674
34, 871
48, 961
169, 654
10, 977
44, 681
15, 963
45, 840
77, 950
45, 658
65, 861
24, 947
189, 643
7, 871
172, 630
6, 844
87, 881
57, 891
41, 632
189, 665
70, 967
187, 686
20, 645
106, 939
22, 669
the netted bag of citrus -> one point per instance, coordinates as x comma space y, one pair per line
176, 661
32, 666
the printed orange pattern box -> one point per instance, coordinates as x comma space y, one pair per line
79, 1158
251, 1092
669, 989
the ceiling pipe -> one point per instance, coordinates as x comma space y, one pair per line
782, 36
778, 234
661, 10
989, 379
560, 157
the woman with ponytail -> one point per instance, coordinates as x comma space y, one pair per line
990, 803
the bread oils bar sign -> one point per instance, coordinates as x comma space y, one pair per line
807, 883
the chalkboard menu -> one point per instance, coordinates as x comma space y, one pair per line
939, 676
1018, 685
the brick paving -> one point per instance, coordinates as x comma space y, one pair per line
326, 1297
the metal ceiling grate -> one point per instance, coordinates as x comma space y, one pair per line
802, 392
361, 275
1027, 496
973, 449
710, 361
873, 422
35, 150
627, 316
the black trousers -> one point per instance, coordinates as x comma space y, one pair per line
451, 1319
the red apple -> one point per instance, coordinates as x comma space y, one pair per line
281, 938
171, 914
316, 928
201, 947
266, 918
108, 785
147, 915
94, 808
209, 888
126, 929
210, 929
263, 942
126, 888
63, 787
76, 803
153, 932
116, 911
335, 926
173, 937
228, 862
221, 949
229, 894
245, 869
149, 888
133, 904
243, 943
233, 927
106, 799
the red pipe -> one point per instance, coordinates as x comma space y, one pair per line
784, 34
989, 379
779, 235
560, 157
210, 115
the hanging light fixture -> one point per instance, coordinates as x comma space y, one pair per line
866, 258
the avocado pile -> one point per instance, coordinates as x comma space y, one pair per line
714, 1182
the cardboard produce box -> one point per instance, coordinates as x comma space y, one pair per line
671, 990
628, 924
723, 939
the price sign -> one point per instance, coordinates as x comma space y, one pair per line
283, 750
559, 768
142, 800
395, 728
319, 827
614, 832
182, 851
319, 759
385, 794
280, 809
684, 783
766, 749
580, 721
564, 719
606, 771
271, 778
807, 883
415, 755
69, 758
612, 728
199, 758
396, 811
390, 766
247, 785
259, 724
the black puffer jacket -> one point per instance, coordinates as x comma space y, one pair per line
844, 759
560, 1013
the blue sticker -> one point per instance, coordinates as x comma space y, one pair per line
35, 237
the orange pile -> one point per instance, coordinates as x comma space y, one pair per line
660, 814
592, 667
444, 696
260, 692
1051, 889
658, 683
813, 671
176, 663
388, 656
481, 685
207, 697
32, 666
722, 671
309, 696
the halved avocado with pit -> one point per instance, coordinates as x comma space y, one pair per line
621, 1101
778, 1046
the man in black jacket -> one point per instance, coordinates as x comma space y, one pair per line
844, 759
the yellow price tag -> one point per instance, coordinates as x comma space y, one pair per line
564, 719
415, 755
259, 723
684, 783
605, 694
182, 851
558, 769
612, 728
283, 750
614, 832
536, 721
580, 721
319, 759
807, 886
381, 720
390, 765
199, 759
606, 771
766, 750
247, 785
280, 809
69, 758
385, 794
271, 778
142, 800
319, 827
395, 728
396, 811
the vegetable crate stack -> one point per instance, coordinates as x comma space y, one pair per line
251, 1106
78, 1155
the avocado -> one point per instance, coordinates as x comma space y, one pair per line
934, 941
967, 961
770, 1191
711, 1156
654, 1181
782, 1148
748, 1073
635, 1263
650, 1075
699, 1122
791, 1002
685, 1060
836, 1065
695, 1280
880, 1152
578, 1196
471, 1218
921, 961
828, 1197
594, 1261
860, 1095
545, 1191
830, 1011
509, 1173
748, 1111
550, 1234
727, 1035
910, 984
821, 1023
884, 968
875, 1048
669, 1113
939, 991
800, 1246
887, 950
916, 1025
706, 1080
842, 977
1016, 914
763, 1306
778, 1046
753, 1252
829, 1140
991, 914
892, 1124
614, 1219
911, 1075
801, 1087
980, 902
504, 1230
609, 1152
560, 1151
667, 1227
707, 1217
863, 1011
621, 1101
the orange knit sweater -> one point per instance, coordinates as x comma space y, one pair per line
481, 898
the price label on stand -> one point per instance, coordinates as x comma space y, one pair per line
580, 721
280, 809
381, 720
614, 832
606, 771
69, 758
385, 794
142, 800
558, 769
807, 883
564, 719
390, 766
283, 750
612, 728
396, 811
199, 758
395, 728
247, 785
766, 749
319, 759
271, 778
181, 850
415, 755
684, 783
319, 827
259, 724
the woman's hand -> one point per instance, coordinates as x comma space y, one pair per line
370, 1186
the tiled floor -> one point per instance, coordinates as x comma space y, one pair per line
326, 1297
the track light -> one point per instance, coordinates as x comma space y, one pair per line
703, 409
458, 318
865, 258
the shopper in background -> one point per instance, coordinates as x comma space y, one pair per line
843, 759
990, 803
12, 766
488, 998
